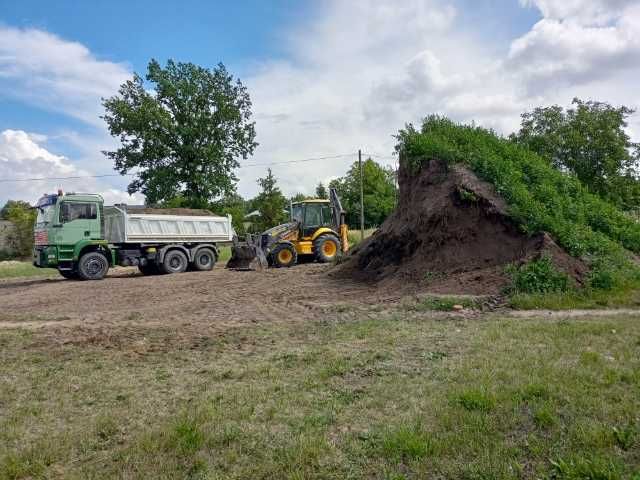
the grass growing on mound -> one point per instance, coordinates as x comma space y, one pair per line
540, 198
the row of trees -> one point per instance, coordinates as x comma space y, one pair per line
379, 199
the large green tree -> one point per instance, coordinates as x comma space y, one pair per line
379, 193
270, 202
181, 132
589, 140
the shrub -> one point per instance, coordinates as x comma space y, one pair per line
537, 276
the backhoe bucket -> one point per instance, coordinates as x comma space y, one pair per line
247, 255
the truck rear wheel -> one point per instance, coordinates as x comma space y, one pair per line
326, 248
204, 259
174, 262
93, 266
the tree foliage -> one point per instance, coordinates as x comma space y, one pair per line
23, 218
270, 202
233, 205
379, 193
321, 191
182, 132
590, 141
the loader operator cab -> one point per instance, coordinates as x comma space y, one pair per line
311, 215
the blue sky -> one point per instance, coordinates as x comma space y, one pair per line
326, 77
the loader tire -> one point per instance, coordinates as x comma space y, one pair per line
175, 262
284, 255
204, 260
326, 248
92, 266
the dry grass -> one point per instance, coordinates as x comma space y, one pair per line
395, 395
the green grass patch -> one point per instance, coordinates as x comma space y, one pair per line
364, 398
16, 269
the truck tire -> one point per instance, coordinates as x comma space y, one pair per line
174, 262
92, 266
204, 260
326, 248
69, 274
284, 255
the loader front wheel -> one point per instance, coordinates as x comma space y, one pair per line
284, 255
326, 248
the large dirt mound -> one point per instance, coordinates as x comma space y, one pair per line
450, 233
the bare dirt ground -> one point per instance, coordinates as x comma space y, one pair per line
188, 306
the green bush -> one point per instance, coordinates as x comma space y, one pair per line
540, 198
537, 276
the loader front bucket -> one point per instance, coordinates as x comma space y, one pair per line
247, 255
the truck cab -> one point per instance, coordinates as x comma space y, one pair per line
66, 226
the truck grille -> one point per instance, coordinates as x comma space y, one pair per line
41, 237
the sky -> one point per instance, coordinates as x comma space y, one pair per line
326, 77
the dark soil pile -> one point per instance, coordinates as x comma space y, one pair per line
189, 212
451, 233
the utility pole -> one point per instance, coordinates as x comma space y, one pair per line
361, 196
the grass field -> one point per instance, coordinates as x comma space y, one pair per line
14, 269
395, 395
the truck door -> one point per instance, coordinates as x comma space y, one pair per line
79, 221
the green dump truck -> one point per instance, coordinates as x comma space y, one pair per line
82, 238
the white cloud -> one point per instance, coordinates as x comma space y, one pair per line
557, 52
23, 157
583, 11
56, 74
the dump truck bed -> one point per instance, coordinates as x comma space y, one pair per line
121, 226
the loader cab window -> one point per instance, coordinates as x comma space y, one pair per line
313, 215
297, 213
70, 211
327, 215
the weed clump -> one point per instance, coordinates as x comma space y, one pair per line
537, 276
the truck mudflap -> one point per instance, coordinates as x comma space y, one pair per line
247, 255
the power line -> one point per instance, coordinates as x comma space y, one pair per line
75, 177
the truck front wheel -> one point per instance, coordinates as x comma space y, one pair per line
174, 262
93, 266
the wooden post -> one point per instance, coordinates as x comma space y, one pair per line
361, 196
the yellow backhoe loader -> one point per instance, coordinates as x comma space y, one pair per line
316, 229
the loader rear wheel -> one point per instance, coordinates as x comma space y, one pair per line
326, 248
93, 266
174, 262
204, 260
284, 255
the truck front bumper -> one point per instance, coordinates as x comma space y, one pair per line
45, 256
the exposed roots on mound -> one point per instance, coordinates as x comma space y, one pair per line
451, 233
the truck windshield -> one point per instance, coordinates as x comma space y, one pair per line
45, 215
